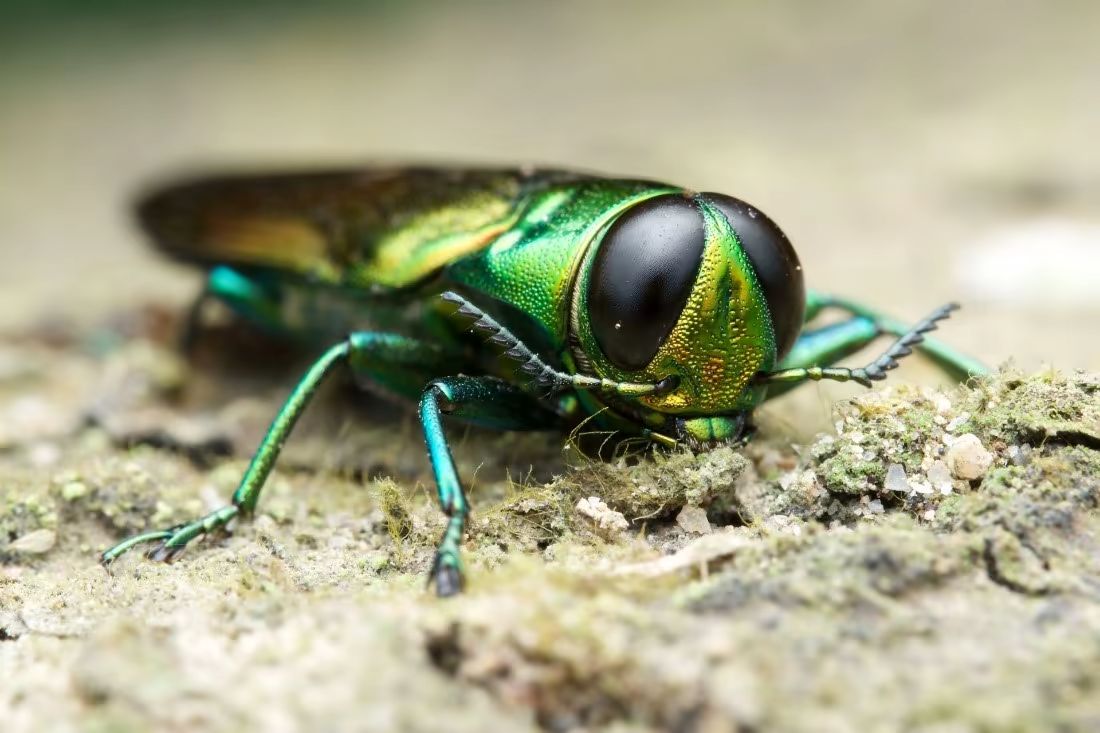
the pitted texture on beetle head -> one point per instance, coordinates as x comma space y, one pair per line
774, 263
724, 335
722, 338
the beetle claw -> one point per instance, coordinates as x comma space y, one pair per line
163, 553
447, 578
166, 551
448, 582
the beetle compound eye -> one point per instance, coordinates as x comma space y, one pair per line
775, 263
642, 276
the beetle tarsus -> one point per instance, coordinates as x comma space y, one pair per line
447, 579
110, 555
174, 540
165, 552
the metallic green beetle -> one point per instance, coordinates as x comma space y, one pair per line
516, 299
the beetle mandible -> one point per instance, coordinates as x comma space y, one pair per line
517, 299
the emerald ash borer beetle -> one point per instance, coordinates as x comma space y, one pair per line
516, 299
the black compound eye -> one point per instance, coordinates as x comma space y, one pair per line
775, 262
642, 276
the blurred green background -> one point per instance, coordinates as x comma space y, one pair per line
915, 152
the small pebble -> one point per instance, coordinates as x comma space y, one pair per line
940, 477
920, 487
693, 519
782, 524
967, 457
35, 543
957, 421
604, 516
895, 478
43, 455
1019, 454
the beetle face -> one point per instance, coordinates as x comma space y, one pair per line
705, 288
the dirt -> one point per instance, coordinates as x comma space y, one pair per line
945, 601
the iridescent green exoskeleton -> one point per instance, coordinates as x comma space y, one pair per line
516, 299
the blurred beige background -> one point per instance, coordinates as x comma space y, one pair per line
915, 152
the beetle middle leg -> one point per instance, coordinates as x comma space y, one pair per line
834, 342
393, 362
486, 401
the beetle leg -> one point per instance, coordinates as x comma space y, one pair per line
395, 362
829, 344
874, 371
951, 360
252, 298
192, 321
481, 400
174, 541
823, 347
255, 299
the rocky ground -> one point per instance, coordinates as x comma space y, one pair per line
933, 564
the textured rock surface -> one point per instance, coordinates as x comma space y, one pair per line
876, 607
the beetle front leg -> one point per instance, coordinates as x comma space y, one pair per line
481, 400
174, 540
392, 361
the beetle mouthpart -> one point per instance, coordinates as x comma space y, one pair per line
706, 432
666, 385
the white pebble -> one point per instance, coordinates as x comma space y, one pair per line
967, 457
604, 516
895, 478
921, 487
956, 422
693, 519
783, 524
35, 543
940, 477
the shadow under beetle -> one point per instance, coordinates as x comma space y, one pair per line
516, 299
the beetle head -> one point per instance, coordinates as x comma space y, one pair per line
701, 287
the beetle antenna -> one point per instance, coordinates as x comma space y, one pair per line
540, 372
874, 371
904, 346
